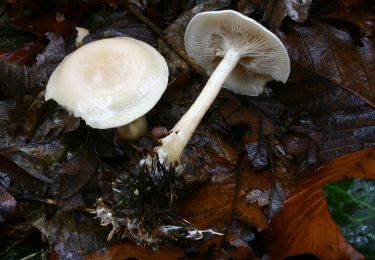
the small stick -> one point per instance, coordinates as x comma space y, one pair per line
159, 32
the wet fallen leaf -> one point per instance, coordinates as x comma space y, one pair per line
17, 79
31, 142
74, 175
333, 120
71, 233
305, 225
231, 246
357, 17
24, 54
20, 181
332, 53
255, 113
111, 24
239, 237
60, 19
213, 204
208, 155
17, 47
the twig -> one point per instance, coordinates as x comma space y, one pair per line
159, 32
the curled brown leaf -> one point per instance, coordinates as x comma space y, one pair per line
305, 225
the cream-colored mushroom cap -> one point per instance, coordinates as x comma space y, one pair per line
109, 82
263, 57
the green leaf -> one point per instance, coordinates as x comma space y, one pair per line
352, 206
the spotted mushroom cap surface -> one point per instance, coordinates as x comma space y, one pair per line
109, 82
263, 57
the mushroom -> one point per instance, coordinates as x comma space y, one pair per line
110, 83
239, 54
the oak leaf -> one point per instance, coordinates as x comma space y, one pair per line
305, 225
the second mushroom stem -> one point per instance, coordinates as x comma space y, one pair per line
173, 144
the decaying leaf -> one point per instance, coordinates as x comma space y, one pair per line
305, 225
31, 140
332, 53
355, 16
221, 207
60, 19
15, 46
234, 244
20, 181
71, 233
17, 79
334, 121
109, 24
75, 174
213, 204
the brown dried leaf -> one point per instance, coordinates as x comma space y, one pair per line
336, 121
132, 251
235, 112
305, 226
75, 174
30, 142
208, 155
71, 234
332, 53
356, 17
236, 248
62, 21
211, 206
19, 179
17, 79
117, 24
348, 3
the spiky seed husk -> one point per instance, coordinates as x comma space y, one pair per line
144, 201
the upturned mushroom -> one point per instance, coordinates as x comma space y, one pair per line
110, 83
239, 54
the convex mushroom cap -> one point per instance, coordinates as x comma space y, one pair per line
110, 82
210, 35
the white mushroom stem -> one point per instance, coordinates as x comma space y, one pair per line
173, 144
